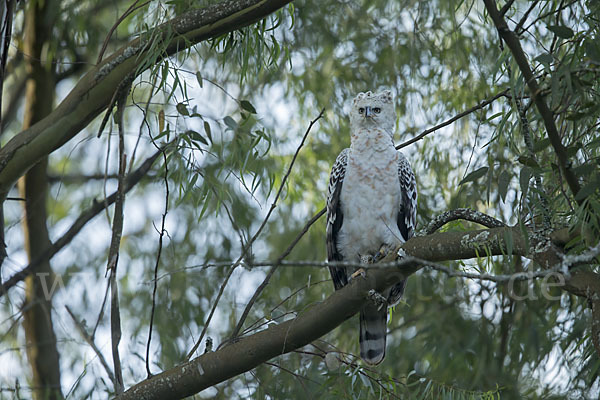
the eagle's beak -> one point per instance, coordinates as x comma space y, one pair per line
368, 112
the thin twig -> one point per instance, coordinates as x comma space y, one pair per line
265, 282
524, 17
524, 121
115, 330
115, 242
257, 324
512, 41
506, 7
131, 9
479, 106
101, 313
90, 340
520, 31
160, 246
561, 268
253, 238
79, 178
529, 144
462, 213
132, 179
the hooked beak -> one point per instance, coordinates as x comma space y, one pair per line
368, 112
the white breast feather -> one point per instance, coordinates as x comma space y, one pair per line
370, 196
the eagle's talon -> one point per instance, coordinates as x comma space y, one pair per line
367, 259
359, 272
377, 298
384, 252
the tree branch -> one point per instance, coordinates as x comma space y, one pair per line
94, 91
277, 263
513, 43
462, 213
319, 319
115, 241
160, 247
479, 106
97, 206
248, 245
90, 340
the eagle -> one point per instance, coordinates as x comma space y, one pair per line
371, 203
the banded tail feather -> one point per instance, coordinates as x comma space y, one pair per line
373, 332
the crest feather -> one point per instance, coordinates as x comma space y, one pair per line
386, 96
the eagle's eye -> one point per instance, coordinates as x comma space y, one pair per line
361, 110
377, 110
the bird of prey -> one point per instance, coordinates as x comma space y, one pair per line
371, 202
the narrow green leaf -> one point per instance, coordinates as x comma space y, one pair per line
207, 130
561, 31
572, 150
473, 176
161, 134
524, 178
182, 109
593, 143
199, 78
503, 182
508, 239
230, 122
196, 136
541, 145
544, 58
587, 189
246, 105
592, 49
585, 170
528, 161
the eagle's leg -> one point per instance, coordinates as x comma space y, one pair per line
387, 253
367, 259
364, 259
359, 272
377, 298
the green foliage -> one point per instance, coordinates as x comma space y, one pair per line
235, 109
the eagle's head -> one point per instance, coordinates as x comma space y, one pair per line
371, 110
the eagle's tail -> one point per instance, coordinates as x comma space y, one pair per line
373, 331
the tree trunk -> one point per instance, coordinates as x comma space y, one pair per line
39, 332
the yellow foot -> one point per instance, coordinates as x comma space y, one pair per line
386, 253
358, 272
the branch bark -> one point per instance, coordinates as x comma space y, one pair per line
42, 350
95, 90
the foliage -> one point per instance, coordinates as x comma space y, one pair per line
235, 109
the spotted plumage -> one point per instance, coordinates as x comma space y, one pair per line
371, 201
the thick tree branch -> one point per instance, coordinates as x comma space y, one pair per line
42, 349
94, 91
512, 41
214, 367
312, 323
